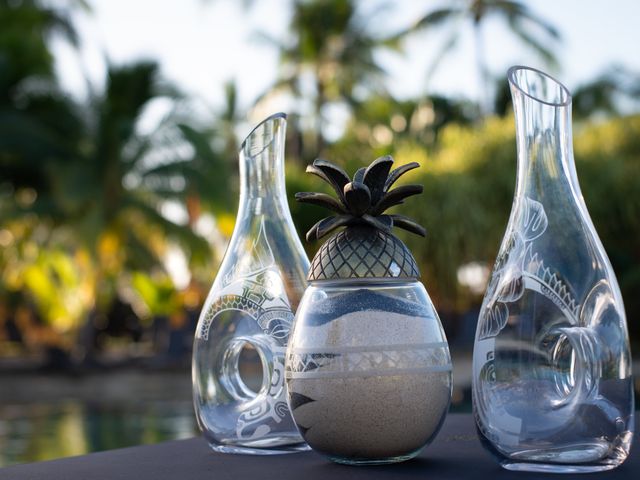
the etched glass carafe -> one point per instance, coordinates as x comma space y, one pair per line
552, 386
242, 334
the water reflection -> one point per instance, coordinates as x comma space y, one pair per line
37, 432
48, 416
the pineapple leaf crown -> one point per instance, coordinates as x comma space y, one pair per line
363, 200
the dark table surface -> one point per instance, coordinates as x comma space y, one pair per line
455, 454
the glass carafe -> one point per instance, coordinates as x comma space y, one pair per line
242, 334
552, 385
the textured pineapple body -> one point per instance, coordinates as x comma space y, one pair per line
361, 251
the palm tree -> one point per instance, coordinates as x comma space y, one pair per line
606, 93
91, 193
116, 222
26, 28
37, 121
330, 48
205, 174
417, 119
533, 31
229, 118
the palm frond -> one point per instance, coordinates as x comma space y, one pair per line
134, 153
443, 51
185, 236
288, 83
435, 18
57, 22
518, 11
230, 101
140, 255
263, 38
546, 54
201, 144
180, 167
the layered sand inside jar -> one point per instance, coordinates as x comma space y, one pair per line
370, 383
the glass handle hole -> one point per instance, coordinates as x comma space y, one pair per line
246, 369
575, 360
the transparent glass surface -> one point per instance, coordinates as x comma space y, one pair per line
239, 347
552, 386
368, 370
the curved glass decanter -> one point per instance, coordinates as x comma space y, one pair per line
244, 326
552, 385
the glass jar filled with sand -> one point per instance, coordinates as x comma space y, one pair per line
368, 369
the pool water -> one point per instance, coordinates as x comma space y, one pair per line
43, 417
47, 416
36, 432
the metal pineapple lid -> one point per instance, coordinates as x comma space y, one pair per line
363, 252
366, 248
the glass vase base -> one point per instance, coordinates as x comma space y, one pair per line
559, 468
583, 458
275, 450
372, 461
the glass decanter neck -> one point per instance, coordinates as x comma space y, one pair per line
262, 165
542, 108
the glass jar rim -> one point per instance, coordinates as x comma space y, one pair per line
561, 91
365, 281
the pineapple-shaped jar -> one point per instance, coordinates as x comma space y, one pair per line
367, 368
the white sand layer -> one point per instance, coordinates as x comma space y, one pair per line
372, 417
378, 385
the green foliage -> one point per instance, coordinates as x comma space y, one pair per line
82, 189
205, 174
381, 121
25, 28
330, 46
469, 181
606, 93
468, 188
158, 294
469, 178
534, 32
608, 164
304, 215
69, 167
